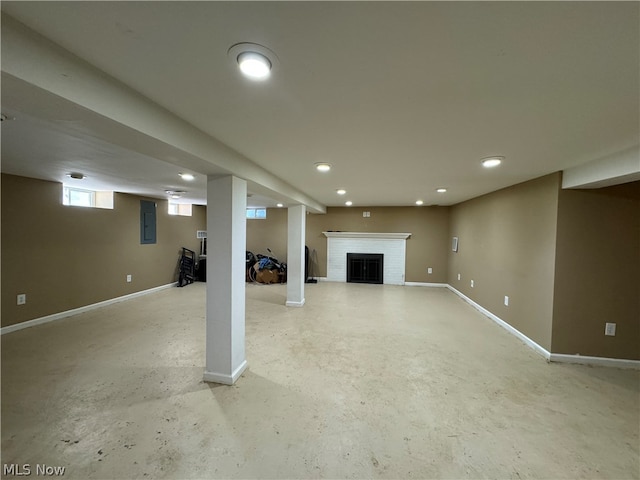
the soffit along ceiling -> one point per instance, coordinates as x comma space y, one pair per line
400, 97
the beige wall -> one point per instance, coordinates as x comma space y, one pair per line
67, 257
507, 247
597, 277
568, 259
425, 248
270, 232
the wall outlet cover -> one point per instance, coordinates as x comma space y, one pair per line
610, 329
429, 270
22, 299
128, 278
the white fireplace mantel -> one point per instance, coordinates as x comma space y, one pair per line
396, 236
391, 245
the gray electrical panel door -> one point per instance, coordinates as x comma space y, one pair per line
147, 222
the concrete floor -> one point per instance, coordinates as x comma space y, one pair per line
365, 381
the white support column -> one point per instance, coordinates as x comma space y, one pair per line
297, 220
226, 239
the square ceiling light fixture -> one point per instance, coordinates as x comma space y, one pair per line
255, 61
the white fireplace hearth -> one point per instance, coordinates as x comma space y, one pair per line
391, 245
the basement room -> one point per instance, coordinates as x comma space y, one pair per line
296, 240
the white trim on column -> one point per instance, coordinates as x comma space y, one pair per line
295, 304
223, 378
76, 311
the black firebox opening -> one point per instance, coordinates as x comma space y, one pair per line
365, 267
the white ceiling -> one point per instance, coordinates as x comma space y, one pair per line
400, 97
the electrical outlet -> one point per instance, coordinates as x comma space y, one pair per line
458, 276
429, 270
129, 278
610, 329
366, 214
506, 301
22, 298
471, 283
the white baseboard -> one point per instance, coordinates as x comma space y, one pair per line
421, 284
601, 361
527, 341
76, 311
550, 357
225, 379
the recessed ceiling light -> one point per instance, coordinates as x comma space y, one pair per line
419, 202
254, 65
348, 203
441, 190
323, 167
491, 162
255, 61
279, 205
341, 191
187, 176
76, 175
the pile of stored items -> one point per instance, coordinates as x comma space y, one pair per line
265, 268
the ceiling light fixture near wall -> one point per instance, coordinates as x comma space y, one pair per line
441, 190
76, 175
341, 191
491, 162
255, 61
175, 194
187, 176
419, 202
323, 167
348, 203
279, 205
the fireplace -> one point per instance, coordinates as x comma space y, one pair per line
391, 245
365, 267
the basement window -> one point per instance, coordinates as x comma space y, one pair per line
182, 209
256, 213
78, 197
